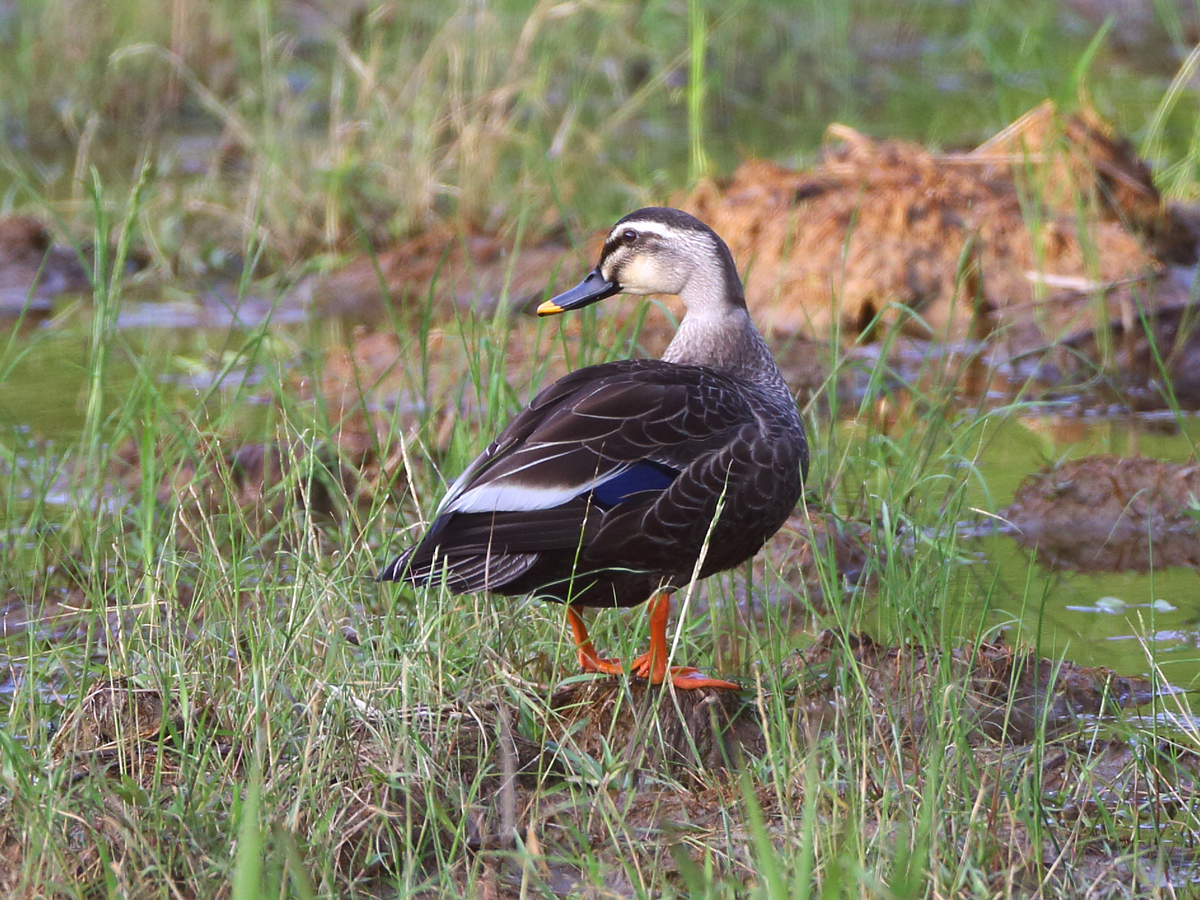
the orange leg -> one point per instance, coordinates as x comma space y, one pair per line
589, 659
653, 663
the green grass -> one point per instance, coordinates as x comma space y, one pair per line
311, 740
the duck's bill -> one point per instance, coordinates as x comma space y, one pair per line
594, 287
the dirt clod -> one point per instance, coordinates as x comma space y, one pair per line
1108, 513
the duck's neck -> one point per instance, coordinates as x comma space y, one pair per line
720, 334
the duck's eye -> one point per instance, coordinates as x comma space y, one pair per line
629, 236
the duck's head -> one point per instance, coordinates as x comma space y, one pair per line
658, 250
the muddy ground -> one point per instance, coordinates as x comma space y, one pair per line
1044, 257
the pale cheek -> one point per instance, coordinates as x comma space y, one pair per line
638, 277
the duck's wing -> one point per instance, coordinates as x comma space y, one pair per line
606, 434
636, 442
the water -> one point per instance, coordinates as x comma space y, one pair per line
1125, 620
184, 349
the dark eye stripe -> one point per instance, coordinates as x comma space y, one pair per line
610, 247
630, 236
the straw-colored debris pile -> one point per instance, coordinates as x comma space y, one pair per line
1043, 217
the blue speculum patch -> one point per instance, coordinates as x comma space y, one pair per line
644, 476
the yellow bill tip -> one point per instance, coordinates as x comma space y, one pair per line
549, 308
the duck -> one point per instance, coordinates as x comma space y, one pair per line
622, 482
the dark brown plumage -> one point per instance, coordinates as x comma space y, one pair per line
625, 480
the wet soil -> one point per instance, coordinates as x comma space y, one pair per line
1110, 514
34, 269
1045, 253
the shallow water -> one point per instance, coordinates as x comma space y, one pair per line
45, 380
1125, 620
